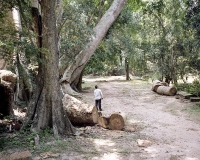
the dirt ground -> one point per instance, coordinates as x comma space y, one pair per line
170, 131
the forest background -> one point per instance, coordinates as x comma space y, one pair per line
51, 44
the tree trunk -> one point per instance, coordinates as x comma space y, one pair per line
7, 85
73, 70
166, 90
127, 69
48, 109
21, 64
80, 113
6, 100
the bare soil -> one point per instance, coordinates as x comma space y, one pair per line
172, 131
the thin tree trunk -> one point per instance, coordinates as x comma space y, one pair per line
127, 69
74, 69
21, 64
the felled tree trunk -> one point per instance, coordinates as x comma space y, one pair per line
163, 88
114, 122
155, 85
166, 90
78, 112
74, 68
8, 78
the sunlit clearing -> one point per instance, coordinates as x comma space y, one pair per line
110, 156
101, 142
133, 121
188, 158
151, 150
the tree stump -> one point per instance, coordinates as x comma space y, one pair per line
114, 122
78, 112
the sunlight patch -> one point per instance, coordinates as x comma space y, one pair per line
110, 156
101, 142
189, 158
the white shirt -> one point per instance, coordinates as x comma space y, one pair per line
98, 94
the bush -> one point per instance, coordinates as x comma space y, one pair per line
193, 88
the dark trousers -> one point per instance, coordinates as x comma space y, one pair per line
98, 104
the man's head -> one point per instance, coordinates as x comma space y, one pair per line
96, 86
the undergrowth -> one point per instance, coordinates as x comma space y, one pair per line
24, 139
192, 88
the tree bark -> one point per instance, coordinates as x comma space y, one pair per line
166, 90
127, 69
80, 113
24, 84
73, 70
48, 109
113, 122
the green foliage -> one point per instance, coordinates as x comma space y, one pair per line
193, 88
6, 5
74, 32
25, 139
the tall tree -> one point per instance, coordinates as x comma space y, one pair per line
46, 109
73, 70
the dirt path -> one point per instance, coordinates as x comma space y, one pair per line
156, 118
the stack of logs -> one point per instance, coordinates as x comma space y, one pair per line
80, 114
163, 88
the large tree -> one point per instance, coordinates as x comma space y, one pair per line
73, 70
46, 109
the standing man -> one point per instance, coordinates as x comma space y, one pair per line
98, 96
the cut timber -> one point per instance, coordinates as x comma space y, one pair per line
166, 90
78, 112
155, 85
114, 122
7, 78
158, 83
194, 99
103, 122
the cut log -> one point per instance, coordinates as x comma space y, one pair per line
78, 112
103, 122
114, 122
155, 85
8, 76
158, 83
166, 90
